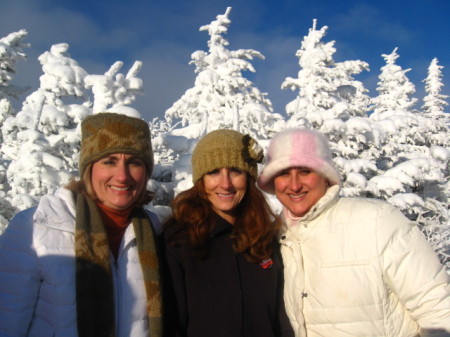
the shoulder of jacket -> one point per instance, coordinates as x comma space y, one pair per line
21, 222
57, 211
363, 201
388, 219
366, 212
364, 205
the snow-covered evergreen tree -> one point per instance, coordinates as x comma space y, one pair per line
11, 51
413, 164
222, 97
395, 91
326, 89
46, 129
434, 101
393, 112
434, 104
114, 91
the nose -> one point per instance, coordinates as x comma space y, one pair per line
122, 172
225, 179
295, 183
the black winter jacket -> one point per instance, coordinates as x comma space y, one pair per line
224, 295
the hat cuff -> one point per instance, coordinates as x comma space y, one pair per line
266, 179
213, 160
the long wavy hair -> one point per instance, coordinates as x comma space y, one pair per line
84, 186
193, 221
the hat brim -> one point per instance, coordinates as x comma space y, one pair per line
266, 179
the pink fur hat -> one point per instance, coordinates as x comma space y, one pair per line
297, 148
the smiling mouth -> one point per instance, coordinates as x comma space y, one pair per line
297, 196
228, 195
115, 188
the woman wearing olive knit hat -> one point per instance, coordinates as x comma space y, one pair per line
223, 260
84, 261
353, 266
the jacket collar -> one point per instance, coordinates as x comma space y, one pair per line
324, 203
221, 226
58, 211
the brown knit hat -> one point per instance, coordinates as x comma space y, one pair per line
105, 133
226, 148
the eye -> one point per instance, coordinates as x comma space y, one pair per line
108, 161
284, 173
213, 172
136, 162
236, 170
304, 171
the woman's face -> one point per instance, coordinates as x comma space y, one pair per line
118, 180
225, 189
299, 188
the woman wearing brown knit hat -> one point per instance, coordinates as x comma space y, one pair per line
84, 261
221, 251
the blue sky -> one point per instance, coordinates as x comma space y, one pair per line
164, 34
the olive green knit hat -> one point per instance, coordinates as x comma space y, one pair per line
106, 133
226, 148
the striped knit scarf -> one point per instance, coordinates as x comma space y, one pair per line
94, 285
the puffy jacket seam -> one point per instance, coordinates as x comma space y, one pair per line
386, 318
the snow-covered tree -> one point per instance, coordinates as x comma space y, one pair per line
46, 129
113, 90
222, 97
413, 165
326, 89
434, 104
395, 91
393, 111
11, 51
45, 111
434, 101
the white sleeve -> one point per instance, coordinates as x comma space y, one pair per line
413, 270
19, 276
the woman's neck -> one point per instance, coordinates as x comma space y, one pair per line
116, 222
114, 215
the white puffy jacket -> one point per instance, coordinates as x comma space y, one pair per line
37, 274
358, 267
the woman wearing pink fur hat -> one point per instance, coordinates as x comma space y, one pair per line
353, 266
